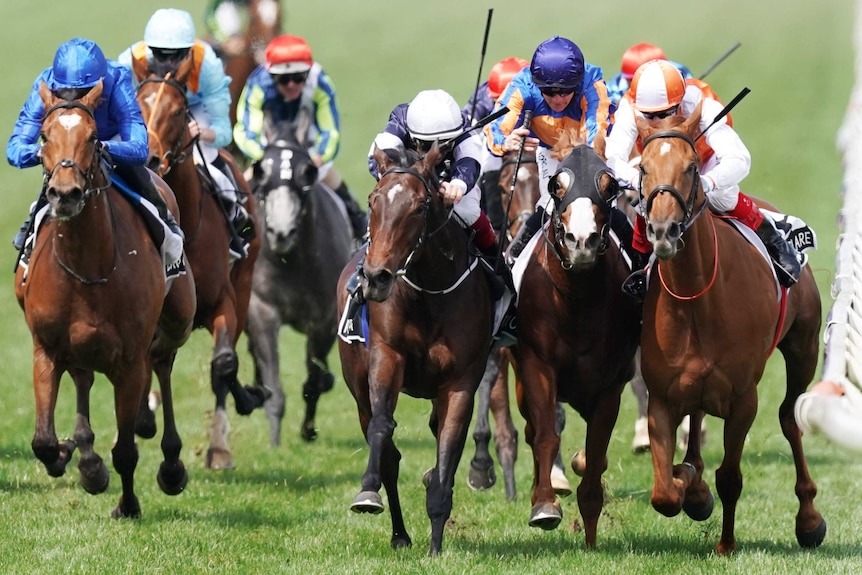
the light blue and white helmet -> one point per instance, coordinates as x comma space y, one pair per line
170, 28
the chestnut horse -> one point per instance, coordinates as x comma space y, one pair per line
423, 287
223, 288
93, 261
307, 242
577, 331
712, 316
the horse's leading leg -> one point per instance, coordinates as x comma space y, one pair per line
590, 491
699, 501
320, 379
263, 327
481, 475
94, 474
669, 487
172, 476
46, 381
454, 409
129, 387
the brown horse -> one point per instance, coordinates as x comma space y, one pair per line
577, 331
712, 316
93, 261
423, 286
223, 288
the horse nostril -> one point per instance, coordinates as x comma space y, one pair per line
675, 231
594, 241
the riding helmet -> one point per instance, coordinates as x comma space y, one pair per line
434, 115
637, 55
78, 63
288, 54
502, 73
171, 29
558, 63
657, 85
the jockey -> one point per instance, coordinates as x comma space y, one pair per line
562, 92
659, 90
169, 39
78, 66
292, 87
632, 60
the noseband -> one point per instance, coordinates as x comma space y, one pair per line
687, 205
90, 173
178, 152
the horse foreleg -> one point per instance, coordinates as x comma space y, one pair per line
481, 475
454, 412
668, 490
129, 387
93, 473
320, 379
728, 477
225, 365
54, 455
505, 433
590, 492
640, 441
172, 476
222, 369
559, 481
263, 327
699, 501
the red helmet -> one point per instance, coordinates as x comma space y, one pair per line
657, 86
637, 55
288, 54
502, 73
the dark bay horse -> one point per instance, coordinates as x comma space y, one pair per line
307, 242
712, 315
578, 332
223, 288
93, 261
423, 287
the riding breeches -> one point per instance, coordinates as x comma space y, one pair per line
547, 168
468, 208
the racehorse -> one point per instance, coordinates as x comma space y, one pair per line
577, 331
713, 313
94, 260
422, 287
307, 243
223, 288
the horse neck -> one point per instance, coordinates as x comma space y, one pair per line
692, 268
87, 242
443, 255
183, 179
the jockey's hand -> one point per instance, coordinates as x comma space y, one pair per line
453, 191
513, 141
316, 160
197, 131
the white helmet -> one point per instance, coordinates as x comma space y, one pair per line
434, 115
171, 29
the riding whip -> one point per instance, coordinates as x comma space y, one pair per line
719, 60
481, 62
726, 110
528, 116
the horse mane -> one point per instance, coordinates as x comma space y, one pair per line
568, 139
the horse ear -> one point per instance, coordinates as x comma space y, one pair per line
92, 97
140, 68
692, 123
599, 144
183, 71
643, 127
47, 96
432, 158
384, 162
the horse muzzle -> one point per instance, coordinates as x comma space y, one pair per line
378, 284
65, 203
665, 237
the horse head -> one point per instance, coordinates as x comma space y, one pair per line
582, 191
670, 180
162, 97
402, 207
70, 151
284, 179
519, 191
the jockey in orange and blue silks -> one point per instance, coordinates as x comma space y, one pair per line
562, 92
659, 90
79, 65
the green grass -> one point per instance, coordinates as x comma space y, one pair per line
285, 510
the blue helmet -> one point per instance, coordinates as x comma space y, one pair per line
78, 63
557, 63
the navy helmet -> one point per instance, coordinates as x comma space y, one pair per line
557, 63
78, 63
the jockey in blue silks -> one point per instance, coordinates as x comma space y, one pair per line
79, 65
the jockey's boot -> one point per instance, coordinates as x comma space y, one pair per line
783, 254
525, 234
27, 226
354, 289
635, 285
358, 219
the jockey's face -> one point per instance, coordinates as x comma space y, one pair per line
290, 85
557, 99
654, 117
170, 59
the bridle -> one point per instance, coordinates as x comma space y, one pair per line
179, 151
89, 175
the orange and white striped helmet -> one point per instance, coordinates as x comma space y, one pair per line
656, 86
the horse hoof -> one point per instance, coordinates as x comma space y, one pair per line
401, 541
699, 512
250, 398
95, 478
218, 459
810, 539
579, 462
172, 478
559, 482
481, 479
640, 441
127, 510
145, 425
368, 502
308, 433
426, 477
546, 516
